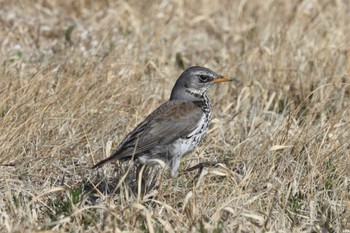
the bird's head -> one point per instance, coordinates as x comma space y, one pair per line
193, 83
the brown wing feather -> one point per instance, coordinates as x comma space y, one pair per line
170, 121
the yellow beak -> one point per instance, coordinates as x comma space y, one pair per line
222, 79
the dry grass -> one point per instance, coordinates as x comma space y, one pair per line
78, 75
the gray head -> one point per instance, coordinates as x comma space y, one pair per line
193, 83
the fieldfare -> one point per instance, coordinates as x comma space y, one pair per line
176, 127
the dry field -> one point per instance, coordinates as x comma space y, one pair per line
77, 76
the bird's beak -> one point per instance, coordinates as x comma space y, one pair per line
222, 79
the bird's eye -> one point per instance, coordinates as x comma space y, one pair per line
203, 78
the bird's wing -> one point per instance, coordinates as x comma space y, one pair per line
170, 121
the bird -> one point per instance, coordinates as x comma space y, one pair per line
176, 127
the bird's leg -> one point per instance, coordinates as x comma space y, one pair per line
174, 166
199, 166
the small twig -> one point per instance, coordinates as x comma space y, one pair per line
8, 165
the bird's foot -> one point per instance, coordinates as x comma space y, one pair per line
199, 167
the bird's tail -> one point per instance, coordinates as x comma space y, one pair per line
99, 164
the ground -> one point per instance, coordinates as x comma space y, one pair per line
77, 76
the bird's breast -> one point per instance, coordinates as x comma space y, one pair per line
183, 146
